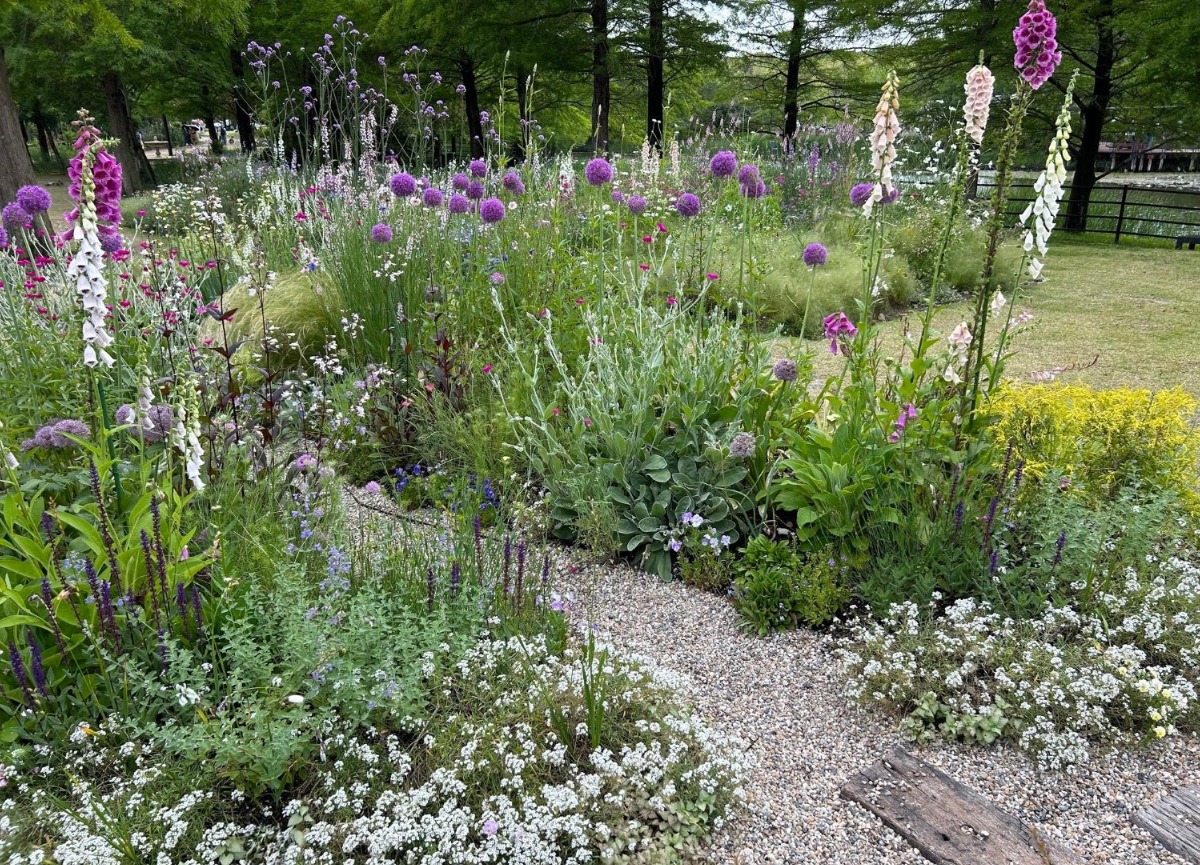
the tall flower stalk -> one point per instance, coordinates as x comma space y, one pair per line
86, 268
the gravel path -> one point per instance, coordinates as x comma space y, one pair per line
784, 696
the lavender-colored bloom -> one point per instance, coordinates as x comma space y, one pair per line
477, 167
458, 203
636, 205
403, 184
491, 210
860, 193
14, 216
749, 182
3, 236
455, 579
814, 159
889, 196
785, 369
33, 199
35, 665
742, 445
815, 255
475, 190
723, 164
111, 240
381, 232
1037, 53
459, 182
54, 435
598, 172
18, 668
618, 197
432, 197
688, 205
513, 183
490, 828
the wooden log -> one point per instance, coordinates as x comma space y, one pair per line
949, 823
1174, 821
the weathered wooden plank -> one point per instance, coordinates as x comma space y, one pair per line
1174, 820
949, 823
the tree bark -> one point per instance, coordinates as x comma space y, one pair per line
655, 58
1094, 111
466, 69
167, 136
16, 168
791, 86
601, 82
241, 110
216, 141
43, 134
136, 174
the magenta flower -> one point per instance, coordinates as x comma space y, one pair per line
837, 325
598, 172
477, 167
459, 182
860, 193
432, 197
491, 210
381, 233
636, 205
815, 255
513, 183
688, 205
458, 203
34, 199
403, 184
907, 413
1037, 49
723, 164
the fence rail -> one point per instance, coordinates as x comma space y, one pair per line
1122, 211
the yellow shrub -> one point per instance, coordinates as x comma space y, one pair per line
1103, 439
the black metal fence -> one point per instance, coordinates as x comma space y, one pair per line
1122, 211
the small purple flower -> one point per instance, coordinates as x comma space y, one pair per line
598, 172
723, 164
111, 240
490, 828
688, 205
475, 190
459, 182
14, 216
458, 203
750, 184
513, 183
491, 210
742, 445
815, 255
432, 197
618, 197
54, 435
860, 192
785, 369
891, 196
381, 232
3, 237
403, 184
33, 199
636, 205
371, 487
477, 167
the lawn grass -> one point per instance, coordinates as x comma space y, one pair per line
1134, 309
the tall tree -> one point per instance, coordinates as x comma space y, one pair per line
656, 57
16, 168
601, 80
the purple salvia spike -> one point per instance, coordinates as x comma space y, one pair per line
507, 561
520, 571
35, 664
197, 610
181, 604
455, 579
151, 591
18, 668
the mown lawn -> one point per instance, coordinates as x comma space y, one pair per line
1133, 309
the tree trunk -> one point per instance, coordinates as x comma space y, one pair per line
136, 173
16, 168
241, 110
43, 134
1094, 110
791, 86
655, 57
601, 83
466, 69
216, 141
167, 135
522, 143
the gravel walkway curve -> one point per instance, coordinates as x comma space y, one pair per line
785, 697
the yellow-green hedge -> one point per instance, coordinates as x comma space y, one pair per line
1103, 439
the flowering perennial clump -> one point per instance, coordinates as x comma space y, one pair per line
54, 435
688, 205
96, 186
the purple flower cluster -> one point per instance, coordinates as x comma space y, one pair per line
491, 210
403, 184
750, 184
513, 183
688, 205
381, 232
475, 190
54, 435
106, 174
598, 172
860, 193
33, 199
742, 446
815, 255
14, 216
785, 369
160, 422
458, 203
907, 413
636, 204
459, 182
1037, 48
723, 164
837, 326
478, 168
432, 197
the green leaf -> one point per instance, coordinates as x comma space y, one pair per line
20, 619
661, 476
654, 464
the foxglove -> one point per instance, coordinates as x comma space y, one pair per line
883, 141
979, 86
1048, 188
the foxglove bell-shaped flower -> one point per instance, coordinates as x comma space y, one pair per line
979, 87
883, 142
1048, 188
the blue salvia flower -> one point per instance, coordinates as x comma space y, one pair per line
18, 668
35, 665
430, 585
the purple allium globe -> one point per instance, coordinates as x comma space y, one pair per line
636, 205
477, 167
491, 210
3, 237
14, 216
815, 255
53, 436
618, 197
598, 172
33, 199
742, 446
723, 164
860, 193
889, 197
403, 184
458, 203
1037, 48
688, 205
475, 190
432, 197
513, 183
381, 232
459, 182
785, 369
111, 240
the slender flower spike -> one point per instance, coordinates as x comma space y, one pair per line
979, 87
1048, 188
86, 268
883, 141
1037, 53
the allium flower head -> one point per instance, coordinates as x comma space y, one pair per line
513, 183
636, 204
432, 197
14, 216
979, 86
723, 164
53, 436
381, 232
475, 190
750, 184
688, 205
403, 184
742, 445
111, 240
1037, 48
459, 182
491, 210
458, 203
477, 167
34, 199
815, 255
598, 172
785, 369
860, 193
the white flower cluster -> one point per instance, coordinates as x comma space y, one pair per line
1048, 188
86, 270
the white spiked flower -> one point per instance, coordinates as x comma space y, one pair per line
86, 269
883, 141
1048, 189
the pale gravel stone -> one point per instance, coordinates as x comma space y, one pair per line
784, 695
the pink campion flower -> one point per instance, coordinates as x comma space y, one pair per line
644, 266
712, 277
1037, 53
671, 301
837, 326
487, 368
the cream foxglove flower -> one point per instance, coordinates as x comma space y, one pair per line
998, 302
1048, 188
979, 86
86, 269
883, 141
